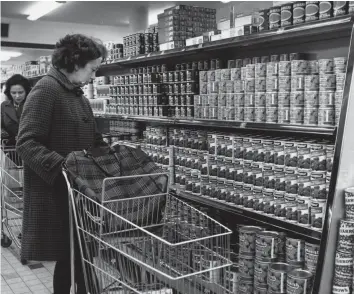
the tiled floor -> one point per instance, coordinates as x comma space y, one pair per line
16, 278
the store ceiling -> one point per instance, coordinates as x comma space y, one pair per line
111, 13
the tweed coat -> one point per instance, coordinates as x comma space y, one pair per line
56, 120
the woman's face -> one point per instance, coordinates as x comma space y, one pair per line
18, 93
83, 75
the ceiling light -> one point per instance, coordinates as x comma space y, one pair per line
225, 1
6, 55
41, 8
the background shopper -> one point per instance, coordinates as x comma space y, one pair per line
16, 90
57, 119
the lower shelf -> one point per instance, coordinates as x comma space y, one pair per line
305, 232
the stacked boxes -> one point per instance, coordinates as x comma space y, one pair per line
141, 43
115, 51
140, 93
181, 22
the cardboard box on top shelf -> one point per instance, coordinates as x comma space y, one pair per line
197, 40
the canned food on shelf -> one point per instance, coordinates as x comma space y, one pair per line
260, 99
299, 67
249, 114
260, 70
272, 99
260, 114
260, 84
311, 99
297, 98
311, 116
285, 68
340, 64
298, 83
272, 114
272, 69
326, 116
312, 83
284, 115
296, 115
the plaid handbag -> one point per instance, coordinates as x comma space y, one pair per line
94, 165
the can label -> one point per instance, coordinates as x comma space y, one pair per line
295, 250
263, 20
235, 74
340, 8
276, 280
346, 235
279, 205
284, 115
299, 12
296, 115
297, 83
326, 116
260, 114
311, 83
312, 10
303, 210
284, 68
260, 85
340, 63
267, 245
326, 9
296, 285
272, 69
284, 99
327, 82
340, 81
311, 99
274, 18
286, 15
326, 66
239, 86
299, 67
327, 98
272, 114
318, 207
261, 70
310, 116
284, 83
260, 99
260, 272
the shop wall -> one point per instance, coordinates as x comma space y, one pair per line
44, 32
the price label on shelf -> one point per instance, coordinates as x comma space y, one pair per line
243, 125
148, 55
200, 45
162, 52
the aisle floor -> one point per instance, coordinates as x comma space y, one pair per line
35, 277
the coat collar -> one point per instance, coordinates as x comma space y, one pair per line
10, 110
63, 80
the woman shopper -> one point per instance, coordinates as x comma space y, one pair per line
16, 90
56, 120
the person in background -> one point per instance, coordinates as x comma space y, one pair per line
56, 120
16, 90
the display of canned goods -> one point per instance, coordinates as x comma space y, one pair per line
284, 83
249, 114
311, 99
284, 98
260, 114
284, 68
249, 85
311, 83
326, 9
272, 69
272, 84
297, 98
299, 281
284, 115
318, 208
312, 10
340, 64
326, 116
298, 83
327, 98
299, 67
260, 84
272, 114
340, 8
311, 116
340, 81
260, 99
296, 115
277, 276
271, 99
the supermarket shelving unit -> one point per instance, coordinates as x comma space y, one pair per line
322, 39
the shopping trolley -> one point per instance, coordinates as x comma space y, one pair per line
171, 248
11, 181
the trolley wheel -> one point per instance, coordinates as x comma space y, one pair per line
5, 241
23, 261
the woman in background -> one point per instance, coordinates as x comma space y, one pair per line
16, 90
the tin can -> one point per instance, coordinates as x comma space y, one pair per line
313, 67
346, 235
326, 98
349, 202
263, 16
297, 99
295, 251
312, 11
284, 68
260, 271
298, 83
311, 116
271, 99
284, 115
249, 100
291, 207
299, 12
250, 71
272, 69
343, 268
218, 63
246, 265
303, 210
340, 64
272, 84
272, 114
260, 99
326, 9
249, 114
284, 83
277, 276
326, 66
268, 207
286, 15
340, 8
265, 59
311, 83
256, 60
238, 63
239, 100
260, 114
267, 245
326, 116
235, 74
284, 57
299, 281
217, 75
225, 74
260, 85
261, 70
311, 255
318, 207
239, 113
231, 64
340, 81
338, 98
299, 67
284, 99
249, 85
311, 99
279, 205
274, 58
245, 286
246, 61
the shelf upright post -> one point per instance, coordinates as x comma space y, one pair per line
342, 177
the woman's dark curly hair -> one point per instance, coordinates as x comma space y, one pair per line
16, 80
77, 50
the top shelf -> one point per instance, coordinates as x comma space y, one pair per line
316, 30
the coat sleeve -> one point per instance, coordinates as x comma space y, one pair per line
33, 137
4, 133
